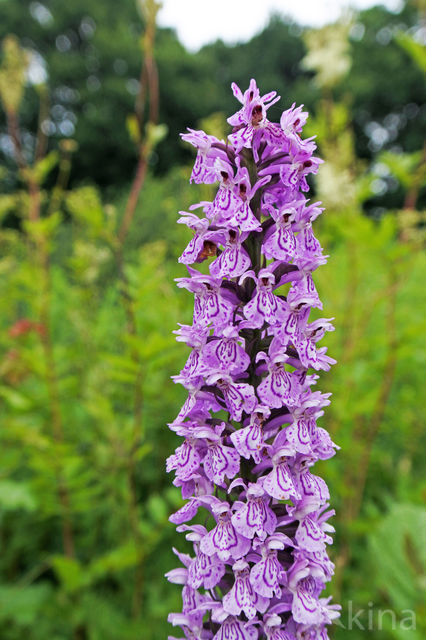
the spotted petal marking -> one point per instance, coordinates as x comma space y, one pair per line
265, 576
233, 629
205, 571
225, 541
275, 389
249, 441
298, 434
279, 483
221, 461
309, 535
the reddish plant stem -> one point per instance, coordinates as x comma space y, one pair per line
45, 335
41, 140
133, 198
412, 194
148, 89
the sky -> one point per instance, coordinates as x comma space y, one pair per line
198, 22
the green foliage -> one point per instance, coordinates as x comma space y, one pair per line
398, 549
415, 49
108, 460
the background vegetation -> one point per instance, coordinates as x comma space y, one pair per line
93, 177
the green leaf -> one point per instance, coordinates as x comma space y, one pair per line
155, 134
69, 572
85, 206
415, 49
398, 553
23, 605
15, 399
16, 495
133, 129
44, 166
114, 561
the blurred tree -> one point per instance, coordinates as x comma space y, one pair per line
90, 52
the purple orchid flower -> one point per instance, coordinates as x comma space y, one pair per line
280, 241
292, 122
226, 352
264, 306
223, 539
242, 596
219, 461
203, 171
250, 423
274, 628
234, 259
254, 517
249, 440
251, 116
239, 396
233, 628
210, 306
205, 570
202, 245
267, 575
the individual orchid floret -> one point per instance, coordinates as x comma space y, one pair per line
264, 306
304, 290
186, 460
300, 433
312, 489
293, 174
210, 305
308, 214
280, 242
204, 569
292, 122
199, 487
203, 171
190, 628
227, 200
244, 217
232, 627
196, 402
280, 387
306, 607
219, 461
267, 575
251, 116
234, 259
322, 445
226, 352
203, 244
280, 482
274, 628
223, 539
311, 535
249, 441
239, 396
254, 517
294, 321
242, 596
197, 340
307, 245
